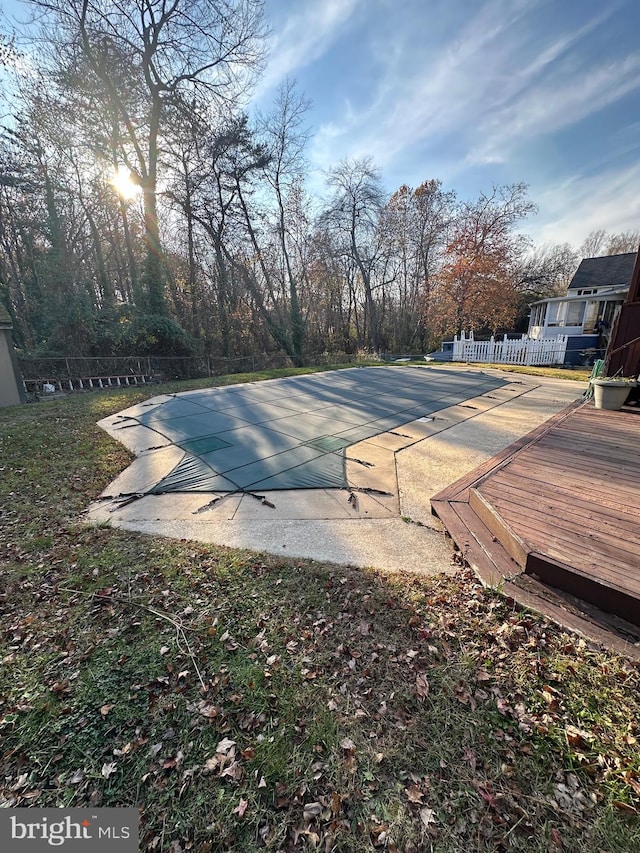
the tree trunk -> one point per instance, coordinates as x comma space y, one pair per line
153, 275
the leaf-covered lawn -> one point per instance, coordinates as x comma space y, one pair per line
244, 702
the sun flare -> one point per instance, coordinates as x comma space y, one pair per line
123, 183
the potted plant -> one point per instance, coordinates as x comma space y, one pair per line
611, 392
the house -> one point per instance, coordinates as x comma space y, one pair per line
591, 306
574, 329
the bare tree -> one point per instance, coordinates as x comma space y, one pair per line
173, 53
625, 241
284, 137
599, 242
547, 271
414, 226
593, 244
353, 217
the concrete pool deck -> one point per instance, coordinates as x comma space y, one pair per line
383, 521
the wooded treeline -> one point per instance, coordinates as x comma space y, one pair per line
214, 244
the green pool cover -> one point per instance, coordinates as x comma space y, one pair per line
291, 433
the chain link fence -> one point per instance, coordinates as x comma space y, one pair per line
50, 375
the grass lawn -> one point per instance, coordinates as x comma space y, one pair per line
245, 702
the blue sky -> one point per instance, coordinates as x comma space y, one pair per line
475, 93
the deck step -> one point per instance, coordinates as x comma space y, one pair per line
576, 615
515, 547
606, 596
477, 544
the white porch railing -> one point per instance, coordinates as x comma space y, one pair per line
522, 351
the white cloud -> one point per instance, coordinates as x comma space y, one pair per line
495, 85
580, 205
427, 90
557, 105
507, 78
308, 33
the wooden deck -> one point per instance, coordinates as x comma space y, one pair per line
555, 521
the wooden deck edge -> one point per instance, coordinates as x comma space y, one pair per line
494, 552
561, 576
567, 620
477, 545
493, 521
457, 490
501, 580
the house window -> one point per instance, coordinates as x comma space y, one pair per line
538, 315
575, 313
591, 317
567, 313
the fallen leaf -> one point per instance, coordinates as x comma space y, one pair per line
422, 685
414, 794
470, 758
207, 709
578, 737
104, 710
241, 808
632, 781
108, 768
427, 816
488, 795
625, 807
311, 810
503, 706
234, 772
225, 745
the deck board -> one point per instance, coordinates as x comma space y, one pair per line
585, 519
596, 505
570, 492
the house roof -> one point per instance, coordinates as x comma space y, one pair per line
606, 271
610, 294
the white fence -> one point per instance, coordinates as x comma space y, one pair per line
522, 351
